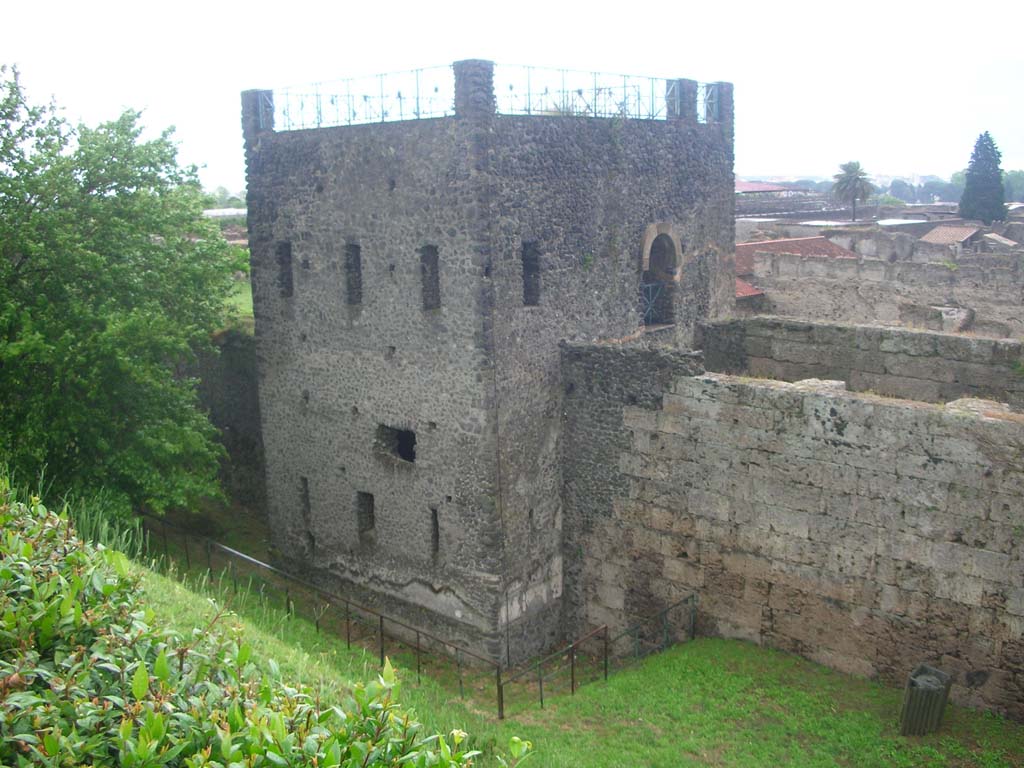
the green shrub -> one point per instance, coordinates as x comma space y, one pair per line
86, 679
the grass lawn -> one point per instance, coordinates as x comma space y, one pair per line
707, 703
240, 303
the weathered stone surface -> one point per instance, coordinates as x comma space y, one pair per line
466, 539
916, 365
865, 533
939, 294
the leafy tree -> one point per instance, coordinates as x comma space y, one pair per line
222, 198
887, 199
903, 190
941, 191
1013, 183
851, 184
984, 197
110, 279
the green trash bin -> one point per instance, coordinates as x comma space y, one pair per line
924, 700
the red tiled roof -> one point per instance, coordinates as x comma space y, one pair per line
949, 235
801, 246
745, 290
743, 187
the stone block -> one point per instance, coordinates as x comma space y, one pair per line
611, 596
684, 572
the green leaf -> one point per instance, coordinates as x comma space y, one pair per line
388, 674
161, 669
118, 561
140, 682
51, 744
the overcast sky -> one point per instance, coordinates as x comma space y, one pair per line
903, 87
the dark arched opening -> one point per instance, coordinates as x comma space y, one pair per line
658, 283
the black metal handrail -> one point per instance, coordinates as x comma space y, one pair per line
571, 651
323, 594
382, 620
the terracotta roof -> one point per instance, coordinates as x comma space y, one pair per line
743, 187
801, 246
1000, 240
949, 235
745, 290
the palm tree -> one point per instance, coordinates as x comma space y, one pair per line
852, 184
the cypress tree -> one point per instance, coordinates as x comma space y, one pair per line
983, 196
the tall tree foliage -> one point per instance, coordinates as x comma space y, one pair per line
110, 279
983, 196
851, 185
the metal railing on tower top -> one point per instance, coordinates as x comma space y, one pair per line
518, 90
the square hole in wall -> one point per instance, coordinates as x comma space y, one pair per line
365, 514
397, 443
435, 532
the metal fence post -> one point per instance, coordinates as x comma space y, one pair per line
693, 616
572, 670
458, 666
163, 528
501, 693
381, 628
540, 683
605, 651
417, 656
209, 557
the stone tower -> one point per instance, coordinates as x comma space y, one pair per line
412, 279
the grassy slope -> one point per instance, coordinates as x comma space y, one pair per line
712, 702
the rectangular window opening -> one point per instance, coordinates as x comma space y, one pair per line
353, 275
304, 499
435, 532
285, 279
431, 274
399, 443
365, 518
531, 275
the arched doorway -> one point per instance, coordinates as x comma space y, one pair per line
658, 282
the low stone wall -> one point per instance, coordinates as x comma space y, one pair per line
916, 365
600, 382
870, 290
865, 533
228, 392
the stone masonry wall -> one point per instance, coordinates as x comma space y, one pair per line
916, 365
332, 373
865, 533
870, 290
600, 383
228, 392
583, 191
476, 374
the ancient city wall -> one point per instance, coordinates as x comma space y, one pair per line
582, 192
228, 392
350, 351
917, 365
532, 228
878, 291
865, 533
